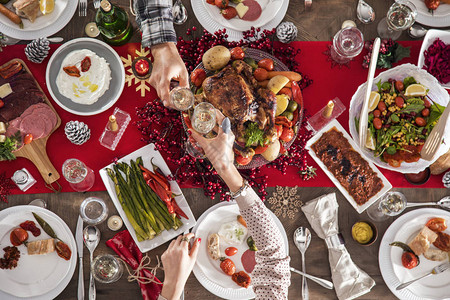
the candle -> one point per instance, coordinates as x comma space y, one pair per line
115, 223
328, 109
142, 67
113, 123
91, 29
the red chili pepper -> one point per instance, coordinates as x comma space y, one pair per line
163, 182
158, 172
178, 210
282, 120
297, 93
161, 194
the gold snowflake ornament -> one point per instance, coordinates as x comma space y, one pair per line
285, 202
143, 85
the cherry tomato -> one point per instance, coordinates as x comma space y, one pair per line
442, 242
198, 76
230, 251
261, 74
399, 86
279, 129
228, 13
425, 112
259, 149
399, 101
242, 279
420, 122
72, 71
85, 64
377, 123
221, 3
243, 160
426, 103
432, 4
394, 163
2, 103
18, 236
437, 224
63, 250
266, 63
409, 260
28, 139
286, 91
237, 53
376, 113
381, 106
227, 265
287, 134
211, 2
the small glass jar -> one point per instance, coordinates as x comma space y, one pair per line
93, 210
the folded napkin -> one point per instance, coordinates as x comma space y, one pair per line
123, 244
349, 281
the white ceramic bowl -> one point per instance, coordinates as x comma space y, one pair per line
436, 92
429, 38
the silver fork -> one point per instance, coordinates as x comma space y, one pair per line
435, 138
96, 4
82, 7
436, 270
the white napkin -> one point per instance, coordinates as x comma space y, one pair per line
349, 281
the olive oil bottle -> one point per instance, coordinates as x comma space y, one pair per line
113, 23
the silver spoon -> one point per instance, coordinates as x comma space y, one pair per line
365, 12
444, 203
302, 238
416, 31
91, 237
179, 13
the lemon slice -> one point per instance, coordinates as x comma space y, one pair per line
282, 104
46, 6
370, 140
416, 90
276, 83
373, 100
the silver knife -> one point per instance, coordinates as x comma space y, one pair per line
80, 245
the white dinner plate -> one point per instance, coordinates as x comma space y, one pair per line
439, 18
404, 229
116, 84
269, 8
212, 24
147, 153
37, 277
429, 39
359, 208
43, 26
206, 270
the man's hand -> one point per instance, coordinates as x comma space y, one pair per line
167, 65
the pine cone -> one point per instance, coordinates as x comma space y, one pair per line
286, 32
446, 180
77, 132
37, 50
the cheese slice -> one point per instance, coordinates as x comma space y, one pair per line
41, 247
2, 127
241, 10
5, 90
2, 138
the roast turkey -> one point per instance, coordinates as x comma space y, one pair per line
236, 93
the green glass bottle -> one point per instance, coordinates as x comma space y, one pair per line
113, 23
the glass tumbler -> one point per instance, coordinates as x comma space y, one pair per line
106, 268
80, 177
391, 204
347, 43
93, 210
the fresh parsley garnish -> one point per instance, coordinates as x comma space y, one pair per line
254, 135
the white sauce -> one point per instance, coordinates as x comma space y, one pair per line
91, 85
233, 232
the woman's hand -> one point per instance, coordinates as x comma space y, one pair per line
178, 262
219, 151
167, 65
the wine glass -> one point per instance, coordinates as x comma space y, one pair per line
400, 16
391, 204
181, 98
203, 120
347, 43
106, 268
80, 177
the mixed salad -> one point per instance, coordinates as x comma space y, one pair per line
401, 117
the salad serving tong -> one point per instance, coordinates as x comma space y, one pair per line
434, 140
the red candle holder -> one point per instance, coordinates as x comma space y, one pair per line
141, 67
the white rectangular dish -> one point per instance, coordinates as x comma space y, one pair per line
429, 38
147, 152
359, 208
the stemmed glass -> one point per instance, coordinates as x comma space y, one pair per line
347, 43
400, 16
181, 98
391, 204
203, 120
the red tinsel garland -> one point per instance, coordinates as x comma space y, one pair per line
171, 139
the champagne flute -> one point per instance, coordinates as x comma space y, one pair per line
400, 16
203, 120
391, 204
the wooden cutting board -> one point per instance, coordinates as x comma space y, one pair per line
36, 150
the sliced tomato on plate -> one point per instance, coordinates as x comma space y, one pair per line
437, 224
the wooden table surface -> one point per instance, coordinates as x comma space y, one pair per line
319, 24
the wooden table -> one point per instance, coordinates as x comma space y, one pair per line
319, 24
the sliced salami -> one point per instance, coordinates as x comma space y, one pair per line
48, 112
254, 10
33, 124
48, 124
248, 260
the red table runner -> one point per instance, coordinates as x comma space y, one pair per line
328, 83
